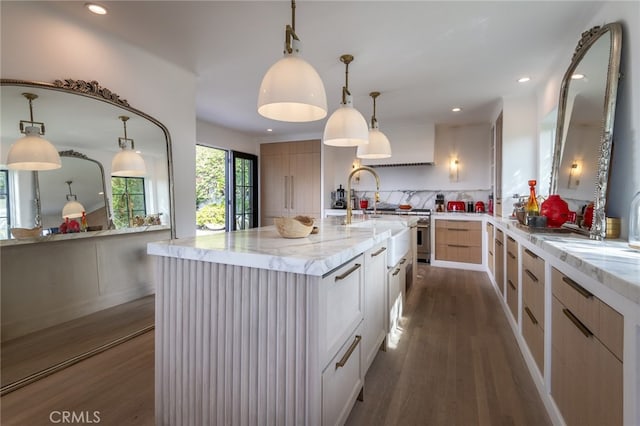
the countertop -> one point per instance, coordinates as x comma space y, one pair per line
264, 248
612, 263
80, 235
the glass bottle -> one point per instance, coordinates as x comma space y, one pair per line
634, 223
532, 208
83, 222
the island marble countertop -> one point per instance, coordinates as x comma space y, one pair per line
264, 248
610, 262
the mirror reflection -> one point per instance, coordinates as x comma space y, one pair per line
585, 124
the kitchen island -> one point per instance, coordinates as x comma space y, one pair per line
252, 328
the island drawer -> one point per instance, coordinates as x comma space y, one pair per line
341, 305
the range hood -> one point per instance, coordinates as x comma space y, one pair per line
411, 145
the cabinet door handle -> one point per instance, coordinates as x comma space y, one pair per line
286, 192
404, 259
530, 253
511, 255
347, 355
378, 252
396, 272
291, 191
498, 242
511, 239
577, 287
530, 314
533, 277
511, 284
583, 328
457, 245
348, 272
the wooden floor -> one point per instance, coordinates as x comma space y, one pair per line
456, 363
42, 349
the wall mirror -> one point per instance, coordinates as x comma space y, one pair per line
67, 297
584, 134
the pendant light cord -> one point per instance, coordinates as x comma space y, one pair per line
374, 120
346, 59
290, 30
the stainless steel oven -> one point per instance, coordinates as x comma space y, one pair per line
424, 239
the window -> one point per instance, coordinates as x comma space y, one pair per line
128, 200
226, 190
5, 223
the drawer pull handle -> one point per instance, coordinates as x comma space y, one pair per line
530, 314
403, 261
583, 328
378, 252
349, 272
347, 355
498, 242
396, 272
530, 253
456, 229
457, 245
511, 239
511, 284
577, 287
533, 277
511, 255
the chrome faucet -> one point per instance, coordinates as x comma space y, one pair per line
377, 195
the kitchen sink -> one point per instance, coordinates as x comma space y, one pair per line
399, 242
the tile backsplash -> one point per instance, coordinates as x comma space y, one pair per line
423, 199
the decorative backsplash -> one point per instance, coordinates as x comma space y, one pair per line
423, 199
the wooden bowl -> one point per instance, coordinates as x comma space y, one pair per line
22, 233
294, 227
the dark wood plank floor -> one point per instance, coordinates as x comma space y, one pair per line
456, 362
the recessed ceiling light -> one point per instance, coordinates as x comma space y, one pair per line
577, 76
269, 130
456, 109
96, 8
524, 79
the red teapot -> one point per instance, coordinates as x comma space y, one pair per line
556, 210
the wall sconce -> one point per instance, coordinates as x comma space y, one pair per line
72, 209
32, 152
127, 162
354, 165
574, 175
454, 170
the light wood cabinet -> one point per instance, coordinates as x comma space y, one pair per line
499, 259
459, 241
586, 377
375, 302
289, 180
512, 276
490, 249
533, 305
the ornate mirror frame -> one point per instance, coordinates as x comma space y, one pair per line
93, 90
598, 227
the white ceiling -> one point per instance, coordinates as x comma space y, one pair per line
425, 57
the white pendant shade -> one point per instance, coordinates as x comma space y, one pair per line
128, 163
33, 152
292, 91
72, 209
346, 127
378, 146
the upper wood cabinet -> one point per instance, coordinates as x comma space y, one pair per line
289, 180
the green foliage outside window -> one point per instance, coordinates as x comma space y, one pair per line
210, 187
128, 200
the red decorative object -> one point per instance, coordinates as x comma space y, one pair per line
588, 216
556, 210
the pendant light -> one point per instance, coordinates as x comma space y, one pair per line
127, 162
32, 152
378, 146
292, 90
346, 126
72, 209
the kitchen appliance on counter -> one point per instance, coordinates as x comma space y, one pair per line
479, 207
456, 206
440, 202
338, 200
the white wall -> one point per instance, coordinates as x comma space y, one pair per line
218, 137
54, 47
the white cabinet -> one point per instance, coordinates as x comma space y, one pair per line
375, 285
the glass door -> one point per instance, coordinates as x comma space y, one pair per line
244, 181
